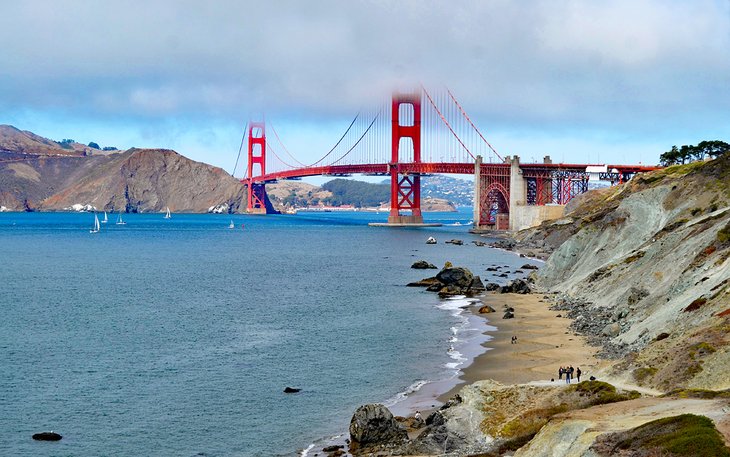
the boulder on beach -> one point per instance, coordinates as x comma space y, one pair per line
423, 265
518, 286
508, 315
492, 286
476, 286
374, 425
47, 436
457, 276
486, 309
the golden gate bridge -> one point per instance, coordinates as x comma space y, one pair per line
417, 133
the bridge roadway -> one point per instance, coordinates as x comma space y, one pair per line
434, 168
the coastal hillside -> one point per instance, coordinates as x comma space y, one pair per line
644, 269
149, 180
38, 174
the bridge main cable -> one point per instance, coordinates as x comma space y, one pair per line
473, 126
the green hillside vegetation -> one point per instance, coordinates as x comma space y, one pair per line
357, 193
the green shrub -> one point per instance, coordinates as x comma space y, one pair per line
723, 236
683, 435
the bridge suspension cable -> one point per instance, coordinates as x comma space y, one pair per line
445, 121
474, 126
240, 148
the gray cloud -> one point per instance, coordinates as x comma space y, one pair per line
621, 64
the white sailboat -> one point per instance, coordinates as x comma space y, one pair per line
120, 221
96, 225
167, 214
231, 225
105, 220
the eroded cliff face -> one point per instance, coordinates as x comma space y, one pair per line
650, 260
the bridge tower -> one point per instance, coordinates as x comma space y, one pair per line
256, 203
405, 189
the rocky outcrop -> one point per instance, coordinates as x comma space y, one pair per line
423, 265
374, 428
517, 286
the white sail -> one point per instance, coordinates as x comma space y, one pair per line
120, 221
167, 214
96, 225
105, 220
231, 225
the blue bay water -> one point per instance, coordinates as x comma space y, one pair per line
177, 337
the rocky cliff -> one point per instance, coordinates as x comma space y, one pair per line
645, 269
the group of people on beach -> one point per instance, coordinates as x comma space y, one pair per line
568, 372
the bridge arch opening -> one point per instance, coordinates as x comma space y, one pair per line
495, 207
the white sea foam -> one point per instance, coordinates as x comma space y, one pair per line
305, 452
415, 387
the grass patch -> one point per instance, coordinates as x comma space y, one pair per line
531, 421
683, 435
698, 393
602, 392
702, 349
640, 374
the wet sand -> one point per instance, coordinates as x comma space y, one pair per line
544, 343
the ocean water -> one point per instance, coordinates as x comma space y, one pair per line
177, 337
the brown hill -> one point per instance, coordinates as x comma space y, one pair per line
38, 174
24, 142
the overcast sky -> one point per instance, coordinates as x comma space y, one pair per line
617, 81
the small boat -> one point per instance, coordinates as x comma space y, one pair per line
105, 220
97, 227
167, 214
231, 225
120, 221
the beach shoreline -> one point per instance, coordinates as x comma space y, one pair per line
544, 344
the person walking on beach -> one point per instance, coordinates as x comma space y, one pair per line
561, 371
577, 372
567, 375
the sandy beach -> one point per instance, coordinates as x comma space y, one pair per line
544, 343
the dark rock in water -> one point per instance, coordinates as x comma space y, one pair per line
522, 255
527, 266
435, 287
422, 265
424, 282
492, 269
457, 276
492, 286
486, 309
374, 425
431, 240
508, 315
503, 275
519, 271
291, 390
455, 241
47, 436
479, 243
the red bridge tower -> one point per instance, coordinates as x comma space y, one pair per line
256, 203
405, 189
